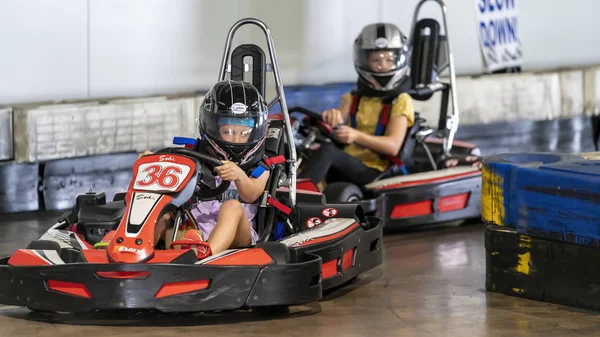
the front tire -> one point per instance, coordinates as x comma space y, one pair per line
343, 192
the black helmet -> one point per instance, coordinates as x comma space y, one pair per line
233, 122
388, 40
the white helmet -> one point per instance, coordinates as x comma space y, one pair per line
383, 71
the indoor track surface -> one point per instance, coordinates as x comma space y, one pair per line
431, 284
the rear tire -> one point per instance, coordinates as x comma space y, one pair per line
343, 192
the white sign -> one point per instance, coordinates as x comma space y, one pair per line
498, 30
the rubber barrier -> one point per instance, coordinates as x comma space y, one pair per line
19, 183
553, 196
539, 269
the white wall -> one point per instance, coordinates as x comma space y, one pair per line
74, 49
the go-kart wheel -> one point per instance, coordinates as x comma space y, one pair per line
342, 192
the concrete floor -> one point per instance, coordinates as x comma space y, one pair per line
432, 284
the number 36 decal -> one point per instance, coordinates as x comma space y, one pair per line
160, 176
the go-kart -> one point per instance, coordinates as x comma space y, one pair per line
305, 246
432, 179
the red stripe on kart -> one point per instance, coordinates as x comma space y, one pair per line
420, 208
71, 288
26, 257
280, 206
329, 269
412, 209
453, 202
275, 160
428, 181
307, 185
177, 288
348, 259
244, 257
330, 237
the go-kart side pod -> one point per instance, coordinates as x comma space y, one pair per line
427, 198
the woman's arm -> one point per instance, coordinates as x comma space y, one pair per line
250, 189
389, 144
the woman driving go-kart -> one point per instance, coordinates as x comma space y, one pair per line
372, 121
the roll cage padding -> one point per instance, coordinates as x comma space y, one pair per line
274, 146
426, 46
259, 65
274, 136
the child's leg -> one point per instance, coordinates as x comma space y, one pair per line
232, 228
161, 227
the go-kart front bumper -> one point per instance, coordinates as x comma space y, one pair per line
293, 271
83, 287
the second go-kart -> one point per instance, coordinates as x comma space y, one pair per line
305, 245
432, 179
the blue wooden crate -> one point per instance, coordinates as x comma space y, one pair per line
553, 196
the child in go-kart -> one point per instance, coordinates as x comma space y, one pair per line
380, 58
233, 124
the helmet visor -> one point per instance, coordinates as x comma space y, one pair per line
380, 60
247, 128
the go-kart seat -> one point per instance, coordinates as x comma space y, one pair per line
427, 59
268, 208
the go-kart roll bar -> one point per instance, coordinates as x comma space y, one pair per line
452, 121
280, 96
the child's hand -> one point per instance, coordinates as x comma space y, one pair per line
229, 171
140, 155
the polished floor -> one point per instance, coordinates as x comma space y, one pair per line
432, 284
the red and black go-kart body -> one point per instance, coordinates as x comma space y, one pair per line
423, 195
431, 179
63, 272
305, 245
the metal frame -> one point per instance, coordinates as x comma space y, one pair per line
453, 120
280, 96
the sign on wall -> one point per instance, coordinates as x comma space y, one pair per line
497, 25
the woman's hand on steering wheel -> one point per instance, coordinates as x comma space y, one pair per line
345, 134
333, 117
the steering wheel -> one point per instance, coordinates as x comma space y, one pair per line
316, 119
207, 174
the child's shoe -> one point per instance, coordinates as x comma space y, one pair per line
193, 240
